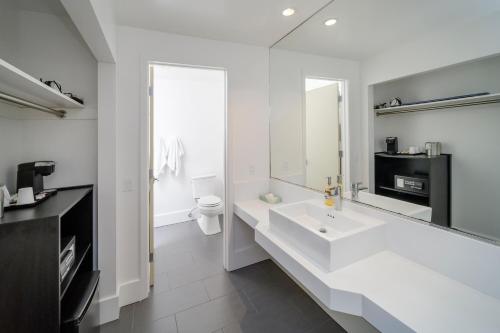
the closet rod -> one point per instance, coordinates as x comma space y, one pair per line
429, 108
22, 102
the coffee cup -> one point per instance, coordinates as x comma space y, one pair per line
25, 196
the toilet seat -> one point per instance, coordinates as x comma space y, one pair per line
209, 201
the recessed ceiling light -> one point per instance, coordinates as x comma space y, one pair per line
288, 12
330, 22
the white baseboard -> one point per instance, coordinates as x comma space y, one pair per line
109, 309
131, 292
175, 217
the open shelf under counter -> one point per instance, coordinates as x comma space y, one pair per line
81, 255
424, 195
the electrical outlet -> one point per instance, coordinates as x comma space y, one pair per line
285, 166
251, 170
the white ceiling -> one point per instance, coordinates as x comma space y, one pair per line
257, 22
367, 27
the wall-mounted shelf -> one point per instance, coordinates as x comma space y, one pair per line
447, 104
23, 89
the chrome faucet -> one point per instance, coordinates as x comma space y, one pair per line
355, 188
337, 194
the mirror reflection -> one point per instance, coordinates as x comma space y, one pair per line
402, 115
311, 153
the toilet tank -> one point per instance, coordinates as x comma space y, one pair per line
203, 185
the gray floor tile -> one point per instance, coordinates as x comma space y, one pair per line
232, 328
287, 320
161, 283
329, 326
196, 272
163, 325
312, 312
213, 315
167, 261
168, 303
121, 325
219, 285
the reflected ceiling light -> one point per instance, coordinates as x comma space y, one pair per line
288, 12
330, 22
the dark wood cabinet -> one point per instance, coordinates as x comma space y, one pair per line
33, 297
435, 170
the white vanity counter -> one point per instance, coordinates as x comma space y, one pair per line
393, 293
253, 212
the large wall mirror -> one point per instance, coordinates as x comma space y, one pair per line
399, 103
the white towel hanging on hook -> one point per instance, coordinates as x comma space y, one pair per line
173, 156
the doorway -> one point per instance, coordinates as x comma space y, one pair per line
187, 157
322, 131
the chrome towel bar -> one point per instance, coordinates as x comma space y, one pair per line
31, 105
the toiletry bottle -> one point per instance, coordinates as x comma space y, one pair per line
329, 200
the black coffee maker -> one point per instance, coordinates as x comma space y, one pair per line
392, 145
31, 174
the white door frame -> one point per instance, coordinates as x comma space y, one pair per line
144, 172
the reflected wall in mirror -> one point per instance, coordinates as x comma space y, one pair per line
428, 80
307, 141
311, 99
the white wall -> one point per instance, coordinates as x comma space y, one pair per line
469, 134
106, 203
288, 72
10, 155
189, 104
248, 151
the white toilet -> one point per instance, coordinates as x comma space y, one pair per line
210, 205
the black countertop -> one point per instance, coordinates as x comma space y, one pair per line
55, 206
415, 156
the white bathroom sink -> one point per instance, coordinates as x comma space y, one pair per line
331, 239
315, 217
